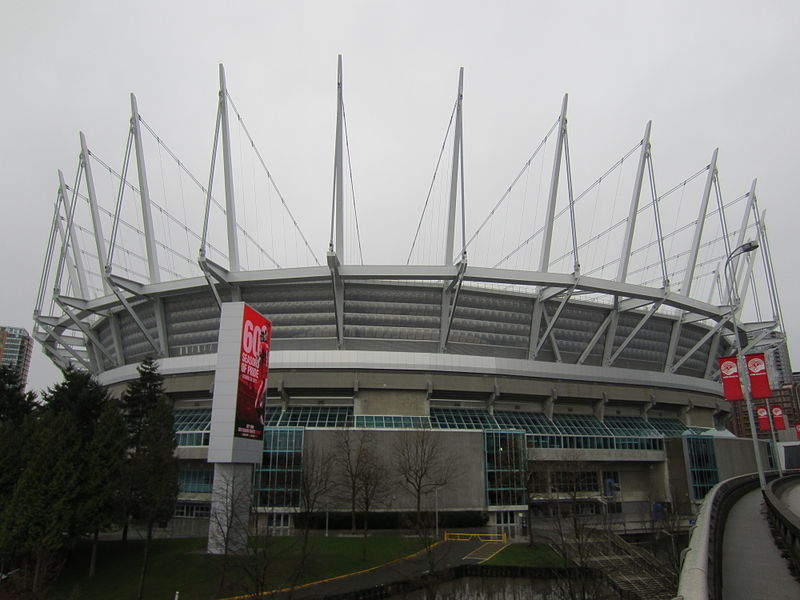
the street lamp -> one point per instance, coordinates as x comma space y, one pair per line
740, 361
436, 505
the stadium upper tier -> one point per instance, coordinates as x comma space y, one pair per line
389, 315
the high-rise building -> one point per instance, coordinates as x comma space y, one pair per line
779, 365
15, 350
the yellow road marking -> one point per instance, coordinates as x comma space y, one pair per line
486, 551
305, 585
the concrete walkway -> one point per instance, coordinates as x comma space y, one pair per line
752, 566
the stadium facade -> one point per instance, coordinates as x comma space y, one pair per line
613, 379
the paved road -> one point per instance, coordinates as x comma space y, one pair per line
442, 556
752, 566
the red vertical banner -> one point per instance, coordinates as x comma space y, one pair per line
759, 381
797, 430
777, 418
731, 385
253, 369
763, 418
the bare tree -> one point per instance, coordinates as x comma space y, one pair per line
573, 488
314, 485
372, 488
423, 465
353, 452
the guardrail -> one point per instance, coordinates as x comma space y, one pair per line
785, 523
701, 573
455, 536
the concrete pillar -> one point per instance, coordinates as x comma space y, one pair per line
231, 499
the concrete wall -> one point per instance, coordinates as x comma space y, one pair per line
461, 452
677, 474
735, 456
635, 485
391, 402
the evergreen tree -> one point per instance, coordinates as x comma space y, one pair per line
80, 397
153, 465
17, 416
16, 406
40, 515
139, 399
107, 479
15, 402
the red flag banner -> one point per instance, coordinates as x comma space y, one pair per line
253, 369
797, 429
731, 385
763, 418
777, 418
759, 382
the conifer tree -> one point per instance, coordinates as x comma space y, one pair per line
16, 406
82, 398
140, 397
153, 465
15, 402
40, 515
107, 479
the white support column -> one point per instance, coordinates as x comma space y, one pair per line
116, 337
451, 214
79, 276
627, 242
231, 502
48, 261
642, 321
144, 191
766, 254
691, 261
595, 338
544, 260
230, 204
97, 224
338, 166
743, 289
64, 259
751, 202
611, 336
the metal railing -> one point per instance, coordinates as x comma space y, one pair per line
701, 572
784, 522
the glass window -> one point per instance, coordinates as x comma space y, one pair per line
192, 509
667, 427
196, 480
192, 426
505, 467
462, 418
703, 471
278, 477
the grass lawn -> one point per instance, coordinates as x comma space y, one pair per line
182, 565
521, 555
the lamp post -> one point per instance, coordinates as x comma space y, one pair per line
436, 511
775, 451
740, 361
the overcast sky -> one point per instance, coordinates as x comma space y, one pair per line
708, 74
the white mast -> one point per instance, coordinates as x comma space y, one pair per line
451, 215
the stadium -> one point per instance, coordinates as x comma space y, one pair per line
589, 345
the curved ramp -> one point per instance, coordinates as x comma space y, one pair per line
752, 566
